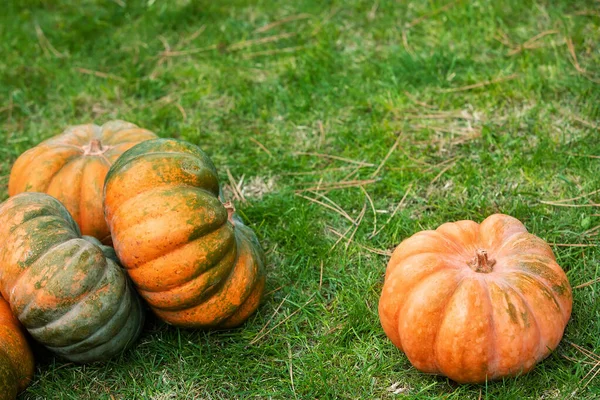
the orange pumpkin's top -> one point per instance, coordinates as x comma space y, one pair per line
475, 302
72, 166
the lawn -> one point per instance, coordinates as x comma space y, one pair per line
404, 115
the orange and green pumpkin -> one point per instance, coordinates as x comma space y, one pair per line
72, 166
475, 302
68, 292
190, 257
16, 359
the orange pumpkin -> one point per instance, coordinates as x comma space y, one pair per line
191, 259
16, 359
72, 166
475, 302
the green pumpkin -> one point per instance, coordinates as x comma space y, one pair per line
68, 292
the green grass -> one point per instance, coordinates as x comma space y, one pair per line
343, 84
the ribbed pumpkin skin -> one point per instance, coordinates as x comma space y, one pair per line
194, 262
71, 296
72, 167
475, 302
16, 359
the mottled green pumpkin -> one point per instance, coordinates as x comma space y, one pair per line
68, 292
191, 259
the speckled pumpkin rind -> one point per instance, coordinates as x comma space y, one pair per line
475, 302
16, 359
194, 262
69, 295
70, 169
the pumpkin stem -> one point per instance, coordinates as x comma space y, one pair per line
481, 262
230, 211
94, 148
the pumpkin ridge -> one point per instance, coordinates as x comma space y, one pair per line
57, 145
167, 147
197, 234
32, 217
245, 309
207, 293
74, 309
400, 311
549, 290
545, 273
440, 320
510, 245
169, 251
41, 252
459, 248
527, 306
88, 354
154, 191
493, 363
230, 308
80, 300
449, 261
51, 178
100, 332
231, 248
214, 289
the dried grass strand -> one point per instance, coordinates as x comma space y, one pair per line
292, 49
442, 172
553, 203
99, 74
358, 221
336, 210
257, 338
282, 21
368, 196
417, 101
45, 44
400, 204
273, 315
369, 249
269, 39
389, 153
338, 158
337, 185
588, 283
259, 144
575, 61
578, 197
533, 42
479, 84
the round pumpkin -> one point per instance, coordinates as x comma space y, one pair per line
475, 302
16, 359
72, 166
194, 262
66, 291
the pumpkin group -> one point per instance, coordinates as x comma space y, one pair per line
65, 290
16, 359
72, 166
193, 261
475, 302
